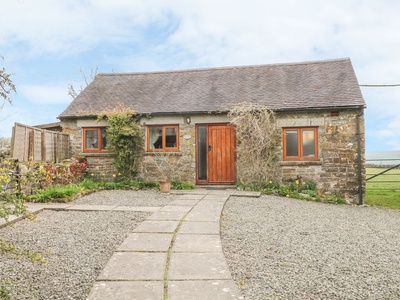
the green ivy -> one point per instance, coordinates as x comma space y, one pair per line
125, 139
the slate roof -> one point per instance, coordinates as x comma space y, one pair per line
292, 86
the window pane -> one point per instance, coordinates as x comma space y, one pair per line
170, 138
308, 143
292, 143
155, 137
91, 139
103, 139
202, 155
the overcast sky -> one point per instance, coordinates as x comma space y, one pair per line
45, 43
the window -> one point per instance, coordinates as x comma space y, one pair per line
163, 138
300, 143
94, 139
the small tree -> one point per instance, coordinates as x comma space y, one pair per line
125, 139
257, 142
7, 87
13, 205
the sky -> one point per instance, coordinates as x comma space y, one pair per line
45, 44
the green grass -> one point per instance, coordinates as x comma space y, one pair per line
182, 185
67, 193
381, 191
55, 192
388, 199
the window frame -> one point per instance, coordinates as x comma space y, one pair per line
164, 138
99, 138
300, 156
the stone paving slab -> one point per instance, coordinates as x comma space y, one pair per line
216, 197
204, 213
11, 220
52, 206
127, 290
184, 208
225, 192
137, 208
157, 226
134, 266
198, 266
167, 215
86, 207
200, 227
204, 290
247, 194
190, 197
197, 243
190, 192
146, 242
184, 202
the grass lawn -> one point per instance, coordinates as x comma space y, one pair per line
384, 190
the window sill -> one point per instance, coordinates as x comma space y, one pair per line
163, 153
96, 154
301, 163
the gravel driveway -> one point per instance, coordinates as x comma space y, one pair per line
79, 244
280, 248
277, 248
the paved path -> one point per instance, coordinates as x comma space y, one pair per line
175, 254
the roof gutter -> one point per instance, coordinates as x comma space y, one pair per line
224, 111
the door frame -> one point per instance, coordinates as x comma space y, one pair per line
206, 182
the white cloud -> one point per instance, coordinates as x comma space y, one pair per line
42, 94
156, 34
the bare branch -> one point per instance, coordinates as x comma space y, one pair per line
73, 91
7, 87
257, 142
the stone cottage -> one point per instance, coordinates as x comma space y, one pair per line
319, 109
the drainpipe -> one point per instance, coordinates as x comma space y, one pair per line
360, 187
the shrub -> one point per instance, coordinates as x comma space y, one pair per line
182, 185
125, 139
258, 141
54, 192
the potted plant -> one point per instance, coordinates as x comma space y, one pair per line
165, 165
169, 166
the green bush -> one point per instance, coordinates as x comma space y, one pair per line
297, 189
55, 192
89, 184
144, 185
311, 193
182, 185
125, 139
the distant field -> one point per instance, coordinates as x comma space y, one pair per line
389, 180
384, 190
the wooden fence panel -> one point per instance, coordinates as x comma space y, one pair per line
38, 144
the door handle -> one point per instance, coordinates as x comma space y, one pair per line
209, 147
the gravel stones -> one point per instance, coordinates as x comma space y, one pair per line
127, 198
280, 248
78, 244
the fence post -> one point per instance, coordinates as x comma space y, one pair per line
31, 146
43, 144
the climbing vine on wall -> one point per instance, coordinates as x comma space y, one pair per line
125, 139
258, 140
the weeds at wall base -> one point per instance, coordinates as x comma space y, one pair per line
87, 185
297, 190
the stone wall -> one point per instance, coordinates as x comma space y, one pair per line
100, 164
336, 171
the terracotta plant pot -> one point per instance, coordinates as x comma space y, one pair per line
165, 186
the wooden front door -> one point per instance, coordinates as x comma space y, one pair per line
216, 155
